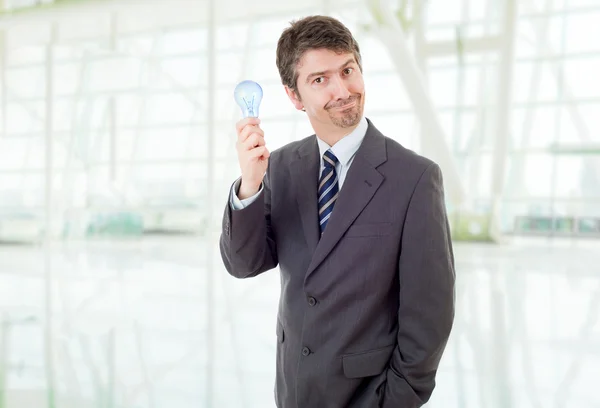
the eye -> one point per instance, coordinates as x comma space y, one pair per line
348, 71
319, 80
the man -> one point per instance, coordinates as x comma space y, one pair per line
356, 224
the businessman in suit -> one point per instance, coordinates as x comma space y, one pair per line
356, 224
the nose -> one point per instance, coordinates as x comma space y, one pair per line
340, 90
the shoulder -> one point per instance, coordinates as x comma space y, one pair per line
401, 155
404, 161
290, 151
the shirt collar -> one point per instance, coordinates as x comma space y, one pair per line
346, 148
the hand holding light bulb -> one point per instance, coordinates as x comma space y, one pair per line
253, 155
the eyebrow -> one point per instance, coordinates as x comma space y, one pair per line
320, 73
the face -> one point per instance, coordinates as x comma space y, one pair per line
330, 88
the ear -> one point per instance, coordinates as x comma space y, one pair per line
294, 97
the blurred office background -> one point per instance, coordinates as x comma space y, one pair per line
117, 151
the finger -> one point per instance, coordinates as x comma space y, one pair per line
253, 141
240, 124
249, 130
245, 122
260, 151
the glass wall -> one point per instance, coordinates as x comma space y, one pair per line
125, 109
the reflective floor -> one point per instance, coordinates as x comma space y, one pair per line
159, 323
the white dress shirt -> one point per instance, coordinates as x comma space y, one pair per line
344, 150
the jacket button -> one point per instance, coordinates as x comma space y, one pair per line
305, 351
312, 301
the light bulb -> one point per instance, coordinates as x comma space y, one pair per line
248, 95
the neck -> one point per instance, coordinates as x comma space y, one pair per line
332, 134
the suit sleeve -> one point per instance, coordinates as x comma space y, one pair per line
247, 243
427, 296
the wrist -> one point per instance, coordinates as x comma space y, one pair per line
247, 190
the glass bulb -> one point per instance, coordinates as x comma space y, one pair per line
248, 95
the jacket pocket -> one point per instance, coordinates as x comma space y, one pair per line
370, 230
367, 363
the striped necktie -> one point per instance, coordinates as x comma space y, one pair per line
328, 189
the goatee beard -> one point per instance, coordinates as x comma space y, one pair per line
349, 117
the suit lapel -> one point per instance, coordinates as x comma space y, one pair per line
362, 181
305, 172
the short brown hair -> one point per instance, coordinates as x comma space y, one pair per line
309, 33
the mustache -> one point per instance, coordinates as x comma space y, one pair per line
337, 104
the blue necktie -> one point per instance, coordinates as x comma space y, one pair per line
328, 189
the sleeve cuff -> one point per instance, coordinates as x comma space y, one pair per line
236, 203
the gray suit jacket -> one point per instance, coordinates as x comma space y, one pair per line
366, 309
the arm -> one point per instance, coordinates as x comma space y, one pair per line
426, 311
247, 244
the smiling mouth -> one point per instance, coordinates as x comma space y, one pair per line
347, 106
